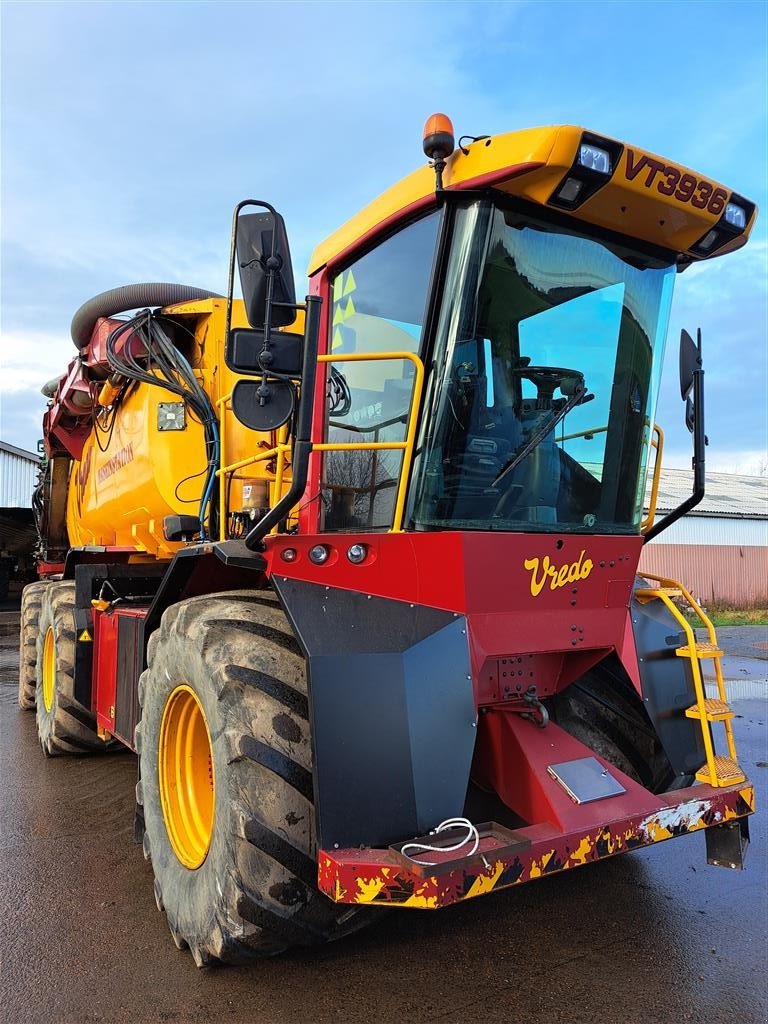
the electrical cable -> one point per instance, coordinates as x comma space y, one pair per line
473, 836
164, 365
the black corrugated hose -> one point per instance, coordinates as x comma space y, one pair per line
131, 296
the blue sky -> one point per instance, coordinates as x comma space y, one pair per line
129, 131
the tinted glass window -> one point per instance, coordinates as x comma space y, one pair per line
547, 366
378, 306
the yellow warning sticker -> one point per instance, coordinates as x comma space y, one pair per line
85, 635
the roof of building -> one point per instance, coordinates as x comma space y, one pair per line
727, 494
21, 452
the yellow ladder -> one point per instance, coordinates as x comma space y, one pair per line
718, 770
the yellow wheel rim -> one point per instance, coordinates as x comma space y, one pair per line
185, 769
49, 669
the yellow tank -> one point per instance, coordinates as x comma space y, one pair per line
150, 463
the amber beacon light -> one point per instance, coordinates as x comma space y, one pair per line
438, 144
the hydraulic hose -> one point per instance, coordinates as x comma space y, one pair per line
127, 297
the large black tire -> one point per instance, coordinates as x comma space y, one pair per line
64, 727
603, 711
255, 892
31, 599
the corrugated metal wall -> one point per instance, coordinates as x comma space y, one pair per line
717, 530
18, 475
724, 574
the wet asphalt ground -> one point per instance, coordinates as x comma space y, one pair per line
653, 936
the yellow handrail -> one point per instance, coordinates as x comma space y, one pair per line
657, 442
282, 449
408, 444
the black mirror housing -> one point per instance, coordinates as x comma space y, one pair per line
690, 361
262, 248
246, 353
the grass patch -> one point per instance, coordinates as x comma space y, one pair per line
732, 616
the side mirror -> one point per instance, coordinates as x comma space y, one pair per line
690, 361
264, 259
246, 353
262, 406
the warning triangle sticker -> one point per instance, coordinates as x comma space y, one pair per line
85, 635
350, 284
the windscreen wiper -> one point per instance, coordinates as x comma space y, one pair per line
549, 425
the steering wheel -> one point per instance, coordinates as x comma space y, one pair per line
547, 379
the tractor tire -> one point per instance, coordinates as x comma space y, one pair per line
226, 679
63, 724
31, 599
603, 710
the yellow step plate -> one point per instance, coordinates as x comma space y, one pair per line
714, 710
648, 593
703, 650
727, 772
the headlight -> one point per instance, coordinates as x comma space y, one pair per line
736, 216
594, 158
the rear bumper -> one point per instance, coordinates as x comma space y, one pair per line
385, 877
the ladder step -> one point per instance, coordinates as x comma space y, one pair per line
648, 593
714, 710
703, 650
727, 772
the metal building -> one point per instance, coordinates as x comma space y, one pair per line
18, 475
720, 549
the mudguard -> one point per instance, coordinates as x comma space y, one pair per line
392, 711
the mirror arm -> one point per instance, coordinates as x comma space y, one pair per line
699, 457
302, 445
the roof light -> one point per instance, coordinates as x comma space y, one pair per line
569, 190
707, 241
736, 216
438, 137
594, 158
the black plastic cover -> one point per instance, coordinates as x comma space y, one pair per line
392, 712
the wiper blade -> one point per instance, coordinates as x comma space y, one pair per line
549, 425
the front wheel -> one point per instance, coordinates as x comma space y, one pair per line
226, 782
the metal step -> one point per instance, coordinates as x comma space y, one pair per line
715, 710
704, 649
727, 772
649, 593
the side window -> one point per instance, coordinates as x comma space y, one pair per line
378, 305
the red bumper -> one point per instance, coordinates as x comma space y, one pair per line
387, 878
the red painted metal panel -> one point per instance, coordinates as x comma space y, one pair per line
104, 668
104, 690
523, 594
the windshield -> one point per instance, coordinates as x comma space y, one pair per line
545, 381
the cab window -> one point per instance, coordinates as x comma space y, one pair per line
378, 305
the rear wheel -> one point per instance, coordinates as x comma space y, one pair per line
63, 724
603, 710
226, 782
31, 600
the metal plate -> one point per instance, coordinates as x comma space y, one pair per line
585, 780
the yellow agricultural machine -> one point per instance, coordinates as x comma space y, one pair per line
356, 577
